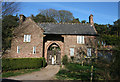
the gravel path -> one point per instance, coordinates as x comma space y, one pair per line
46, 73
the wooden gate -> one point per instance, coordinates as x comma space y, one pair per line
54, 57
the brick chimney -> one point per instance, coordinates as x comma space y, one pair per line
91, 20
22, 18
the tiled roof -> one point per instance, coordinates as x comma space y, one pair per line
67, 28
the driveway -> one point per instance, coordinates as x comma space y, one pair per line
46, 73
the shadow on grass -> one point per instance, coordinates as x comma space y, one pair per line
10, 80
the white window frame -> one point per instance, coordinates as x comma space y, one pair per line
80, 40
34, 50
72, 51
27, 38
18, 49
89, 52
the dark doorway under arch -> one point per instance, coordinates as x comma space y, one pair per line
54, 54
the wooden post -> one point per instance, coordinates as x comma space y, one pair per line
91, 73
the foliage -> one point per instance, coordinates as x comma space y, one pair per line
41, 18
7, 28
76, 20
109, 34
83, 21
65, 60
110, 39
115, 66
22, 63
9, 8
65, 16
44, 62
116, 28
74, 71
52, 15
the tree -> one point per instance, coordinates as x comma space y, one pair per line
75, 20
65, 16
116, 28
9, 8
58, 15
7, 28
40, 18
83, 21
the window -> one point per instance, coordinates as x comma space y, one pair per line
34, 50
27, 38
88, 52
71, 51
80, 39
18, 49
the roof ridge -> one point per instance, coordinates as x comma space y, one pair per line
63, 23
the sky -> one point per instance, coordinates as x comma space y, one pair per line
103, 12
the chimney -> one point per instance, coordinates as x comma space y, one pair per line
22, 18
91, 20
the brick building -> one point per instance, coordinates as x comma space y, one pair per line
52, 40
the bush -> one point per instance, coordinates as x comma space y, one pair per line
22, 63
65, 60
44, 62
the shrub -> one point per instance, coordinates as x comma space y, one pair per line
44, 62
65, 60
22, 63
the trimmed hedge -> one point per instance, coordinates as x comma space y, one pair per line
22, 63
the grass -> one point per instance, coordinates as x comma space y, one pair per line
18, 72
75, 71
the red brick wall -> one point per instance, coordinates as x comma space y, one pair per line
26, 48
70, 41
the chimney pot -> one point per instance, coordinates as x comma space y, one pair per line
22, 18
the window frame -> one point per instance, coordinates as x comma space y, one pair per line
80, 40
73, 53
18, 49
27, 38
34, 50
90, 52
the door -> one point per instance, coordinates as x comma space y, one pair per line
53, 57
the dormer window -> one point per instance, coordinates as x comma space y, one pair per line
27, 38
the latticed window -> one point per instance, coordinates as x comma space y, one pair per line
80, 39
27, 38
71, 51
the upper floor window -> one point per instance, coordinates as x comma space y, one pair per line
18, 49
27, 38
80, 39
34, 50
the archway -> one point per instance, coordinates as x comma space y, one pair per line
54, 54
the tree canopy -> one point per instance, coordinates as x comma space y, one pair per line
9, 8
52, 15
7, 29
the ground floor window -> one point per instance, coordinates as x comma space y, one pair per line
18, 49
71, 51
88, 52
34, 50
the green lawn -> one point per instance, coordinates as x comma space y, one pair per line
18, 72
74, 71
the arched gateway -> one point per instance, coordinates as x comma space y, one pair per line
53, 52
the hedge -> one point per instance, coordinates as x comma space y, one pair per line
22, 63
